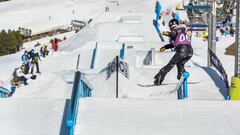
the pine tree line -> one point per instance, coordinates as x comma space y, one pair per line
10, 42
4, 0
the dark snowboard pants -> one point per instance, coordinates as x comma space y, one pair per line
33, 64
180, 58
23, 79
26, 70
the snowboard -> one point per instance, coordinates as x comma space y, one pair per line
170, 91
153, 85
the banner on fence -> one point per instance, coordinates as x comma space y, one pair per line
123, 68
218, 65
111, 68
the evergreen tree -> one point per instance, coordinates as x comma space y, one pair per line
10, 42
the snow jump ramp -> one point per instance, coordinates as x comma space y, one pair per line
110, 83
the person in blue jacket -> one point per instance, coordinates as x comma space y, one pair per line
25, 62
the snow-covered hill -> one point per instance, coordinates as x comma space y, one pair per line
128, 22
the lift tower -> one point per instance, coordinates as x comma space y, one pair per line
237, 53
212, 30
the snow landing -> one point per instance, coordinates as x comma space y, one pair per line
33, 116
103, 116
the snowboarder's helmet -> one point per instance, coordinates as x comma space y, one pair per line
173, 23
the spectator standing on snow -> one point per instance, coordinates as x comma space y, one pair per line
25, 61
45, 50
34, 61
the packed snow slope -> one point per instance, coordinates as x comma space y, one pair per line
153, 117
128, 22
40, 16
32, 116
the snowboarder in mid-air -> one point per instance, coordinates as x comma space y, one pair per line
181, 42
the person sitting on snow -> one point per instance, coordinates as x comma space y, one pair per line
18, 78
181, 42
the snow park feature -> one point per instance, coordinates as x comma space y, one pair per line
181, 86
115, 56
183, 92
158, 9
80, 89
94, 57
77, 24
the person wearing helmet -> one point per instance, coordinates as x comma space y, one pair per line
181, 43
172, 24
35, 59
31, 54
25, 60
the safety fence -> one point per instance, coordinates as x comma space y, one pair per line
80, 90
